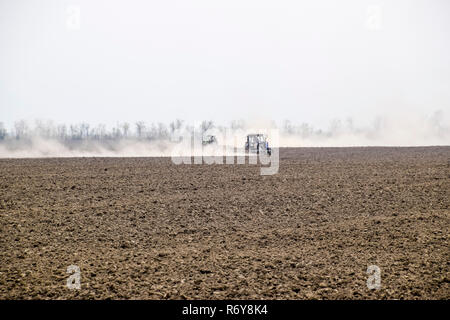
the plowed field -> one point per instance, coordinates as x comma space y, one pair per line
145, 228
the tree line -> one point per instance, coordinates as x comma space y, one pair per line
22, 130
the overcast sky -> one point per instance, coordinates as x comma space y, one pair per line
307, 61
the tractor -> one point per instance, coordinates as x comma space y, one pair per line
209, 139
257, 143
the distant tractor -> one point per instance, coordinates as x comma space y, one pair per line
257, 143
209, 139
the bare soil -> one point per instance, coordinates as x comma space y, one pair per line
145, 228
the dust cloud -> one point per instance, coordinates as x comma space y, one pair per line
48, 140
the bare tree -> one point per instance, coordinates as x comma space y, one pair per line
61, 132
206, 125
125, 129
162, 131
21, 129
305, 130
3, 132
75, 132
175, 125
117, 133
99, 132
140, 129
84, 130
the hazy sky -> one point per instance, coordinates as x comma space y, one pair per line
307, 61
